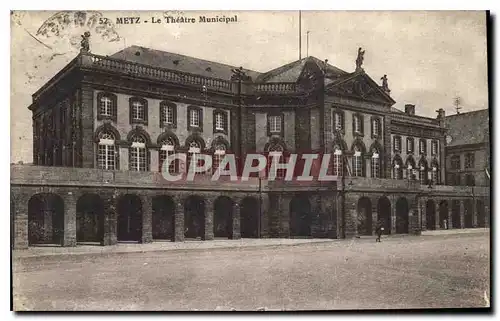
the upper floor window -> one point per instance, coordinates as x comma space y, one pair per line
275, 124
337, 161
469, 160
106, 155
106, 105
195, 118
220, 121
398, 168
422, 146
337, 121
435, 173
219, 154
168, 114
275, 157
357, 162
357, 124
397, 143
375, 162
138, 154
409, 145
167, 149
455, 162
138, 110
376, 126
434, 147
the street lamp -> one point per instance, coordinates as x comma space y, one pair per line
239, 75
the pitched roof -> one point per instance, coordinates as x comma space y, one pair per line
468, 128
292, 71
164, 59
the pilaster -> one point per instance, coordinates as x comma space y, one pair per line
69, 227
236, 234
110, 218
147, 217
178, 219
20, 221
209, 219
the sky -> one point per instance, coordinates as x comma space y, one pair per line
429, 57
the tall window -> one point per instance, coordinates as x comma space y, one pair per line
410, 168
105, 106
219, 154
106, 157
469, 160
435, 173
167, 149
375, 127
398, 168
194, 118
375, 164
422, 174
275, 124
137, 110
138, 152
434, 147
275, 157
397, 143
357, 162
167, 115
193, 156
357, 123
409, 145
338, 167
337, 121
455, 162
422, 146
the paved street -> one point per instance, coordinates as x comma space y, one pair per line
401, 272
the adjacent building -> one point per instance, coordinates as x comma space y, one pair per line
103, 126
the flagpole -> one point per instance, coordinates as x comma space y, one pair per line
300, 35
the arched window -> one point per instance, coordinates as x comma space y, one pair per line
357, 162
410, 168
398, 168
193, 156
167, 149
422, 172
219, 154
375, 163
138, 154
275, 156
338, 168
106, 156
435, 173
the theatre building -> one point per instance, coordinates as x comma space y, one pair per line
103, 126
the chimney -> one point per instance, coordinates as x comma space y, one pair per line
410, 109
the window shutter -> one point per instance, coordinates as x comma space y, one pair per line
130, 111
117, 157
214, 117
114, 109
163, 110
371, 127
362, 123
200, 114
353, 125
174, 115
148, 160
129, 159
145, 102
224, 117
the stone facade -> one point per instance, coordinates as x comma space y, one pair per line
72, 195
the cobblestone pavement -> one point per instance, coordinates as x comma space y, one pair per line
438, 271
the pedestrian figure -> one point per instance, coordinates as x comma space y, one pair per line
379, 228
